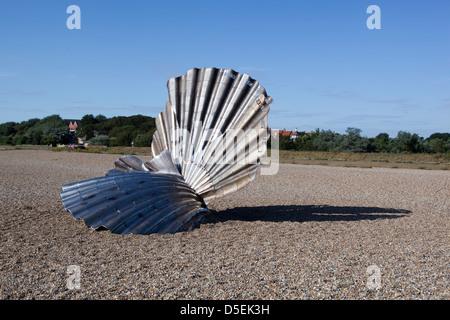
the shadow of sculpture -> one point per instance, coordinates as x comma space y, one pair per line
303, 213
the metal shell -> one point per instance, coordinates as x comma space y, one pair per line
208, 143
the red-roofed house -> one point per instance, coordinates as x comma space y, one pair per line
284, 133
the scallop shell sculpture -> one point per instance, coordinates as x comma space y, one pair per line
208, 143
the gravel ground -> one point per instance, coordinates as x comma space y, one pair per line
309, 232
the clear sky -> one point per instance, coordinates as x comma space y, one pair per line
317, 59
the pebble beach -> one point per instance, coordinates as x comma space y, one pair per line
307, 232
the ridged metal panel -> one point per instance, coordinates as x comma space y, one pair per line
137, 202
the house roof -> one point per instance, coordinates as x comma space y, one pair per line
73, 121
283, 132
72, 124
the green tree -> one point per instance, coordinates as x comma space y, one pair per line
351, 131
144, 139
304, 142
18, 139
407, 142
444, 136
100, 118
7, 128
353, 142
383, 142
53, 129
125, 135
438, 145
87, 131
36, 136
88, 119
322, 141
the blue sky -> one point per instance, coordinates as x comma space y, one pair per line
317, 59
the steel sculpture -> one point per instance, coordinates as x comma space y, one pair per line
208, 143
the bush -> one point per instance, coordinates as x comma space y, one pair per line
144, 140
101, 140
124, 135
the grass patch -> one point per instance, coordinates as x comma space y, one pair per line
109, 150
341, 159
24, 147
369, 157
366, 160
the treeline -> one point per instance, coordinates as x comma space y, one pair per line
118, 131
138, 131
99, 130
352, 141
48, 131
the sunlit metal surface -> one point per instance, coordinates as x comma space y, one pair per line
208, 143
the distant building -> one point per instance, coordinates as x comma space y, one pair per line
284, 133
294, 135
274, 132
72, 124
